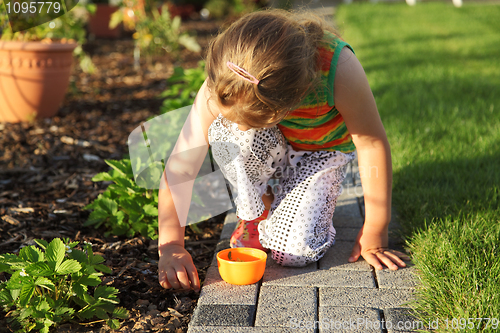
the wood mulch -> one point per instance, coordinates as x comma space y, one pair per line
46, 169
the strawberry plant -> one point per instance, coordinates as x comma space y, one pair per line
53, 283
124, 208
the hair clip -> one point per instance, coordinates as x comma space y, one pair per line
242, 73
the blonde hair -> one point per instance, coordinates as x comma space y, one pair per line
278, 48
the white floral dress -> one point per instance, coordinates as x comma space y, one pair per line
299, 227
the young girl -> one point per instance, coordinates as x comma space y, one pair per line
291, 97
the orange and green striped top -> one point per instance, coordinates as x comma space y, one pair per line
316, 124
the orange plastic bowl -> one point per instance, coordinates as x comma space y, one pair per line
242, 265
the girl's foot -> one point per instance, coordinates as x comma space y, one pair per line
247, 235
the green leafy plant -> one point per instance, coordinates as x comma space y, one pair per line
124, 208
52, 284
156, 31
219, 9
183, 86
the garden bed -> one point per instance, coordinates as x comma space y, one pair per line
46, 169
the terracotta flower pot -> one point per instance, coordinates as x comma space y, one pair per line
99, 22
34, 78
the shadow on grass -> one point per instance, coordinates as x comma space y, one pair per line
429, 191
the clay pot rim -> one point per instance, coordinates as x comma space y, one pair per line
36, 46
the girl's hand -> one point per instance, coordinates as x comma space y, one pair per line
176, 269
372, 246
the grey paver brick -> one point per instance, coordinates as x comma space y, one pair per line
229, 225
278, 306
402, 278
347, 221
337, 258
223, 315
290, 276
401, 320
349, 319
229, 329
346, 234
347, 207
221, 292
222, 245
365, 297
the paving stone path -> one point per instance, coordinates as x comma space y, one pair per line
331, 295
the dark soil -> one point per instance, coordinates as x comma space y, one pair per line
46, 169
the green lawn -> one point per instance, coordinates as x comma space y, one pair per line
435, 73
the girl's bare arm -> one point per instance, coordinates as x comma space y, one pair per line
355, 101
176, 268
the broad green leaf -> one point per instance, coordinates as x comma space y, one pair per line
105, 292
63, 310
113, 324
68, 266
136, 217
27, 292
26, 312
130, 205
15, 293
5, 297
44, 282
79, 289
89, 299
31, 254
78, 255
101, 314
126, 183
103, 268
98, 215
119, 166
39, 269
120, 229
108, 205
43, 306
86, 313
55, 253
97, 259
120, 216
17, 281
102, 177
150, 210
90, 280
14, 261
121, 313
108, 307
4, 268
42, 243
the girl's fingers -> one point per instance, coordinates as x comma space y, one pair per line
195, 281
372, 260
172, 278
401, 255
393, 255
183, 278
386, 260
163, 280
356, 252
